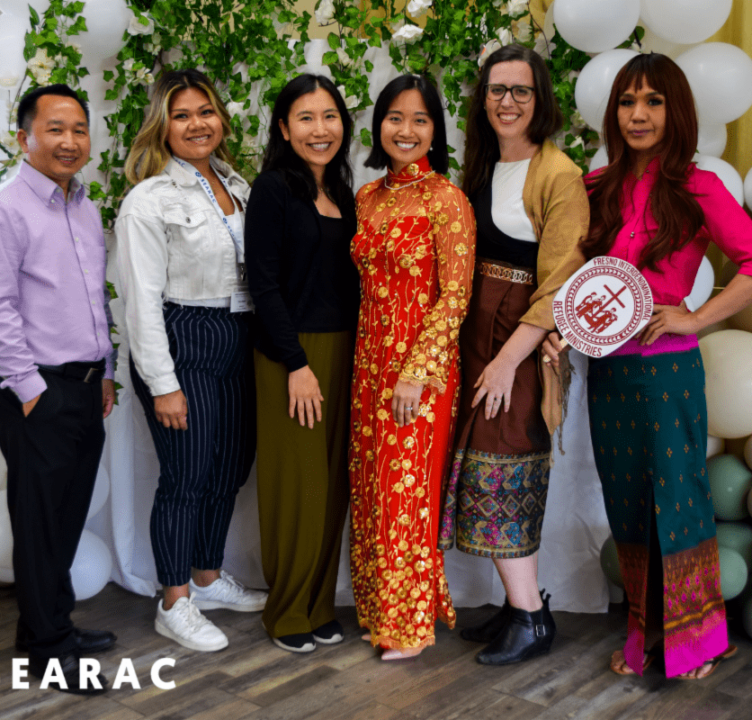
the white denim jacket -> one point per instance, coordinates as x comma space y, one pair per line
171, 243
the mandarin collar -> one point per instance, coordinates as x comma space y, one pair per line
409, 174
47, 189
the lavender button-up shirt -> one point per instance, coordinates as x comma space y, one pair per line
54, 305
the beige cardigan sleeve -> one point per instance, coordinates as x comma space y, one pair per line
556, 203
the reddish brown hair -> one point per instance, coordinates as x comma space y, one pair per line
676, 211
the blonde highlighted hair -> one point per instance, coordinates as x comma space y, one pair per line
150, 151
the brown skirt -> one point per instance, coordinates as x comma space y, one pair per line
495, 494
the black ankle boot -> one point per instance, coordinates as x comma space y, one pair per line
488, 631
526, 636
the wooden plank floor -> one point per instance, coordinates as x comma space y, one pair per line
254, 679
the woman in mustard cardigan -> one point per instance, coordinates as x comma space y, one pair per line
531, 211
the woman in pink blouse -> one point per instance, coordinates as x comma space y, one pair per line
654, 208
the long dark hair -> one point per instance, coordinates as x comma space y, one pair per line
280, 155
438, 156
482, 145
676, 211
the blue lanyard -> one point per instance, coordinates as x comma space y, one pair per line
210, 194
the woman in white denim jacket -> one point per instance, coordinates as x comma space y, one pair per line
182, 274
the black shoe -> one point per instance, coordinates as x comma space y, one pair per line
297, 643
70, 665
329, 633
87, 641
527, 635
488, 631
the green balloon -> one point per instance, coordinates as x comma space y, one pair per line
733, 573
730, 481
736, 536
610, 562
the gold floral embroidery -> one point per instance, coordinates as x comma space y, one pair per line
415, 254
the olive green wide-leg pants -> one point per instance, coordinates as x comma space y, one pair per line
303, 489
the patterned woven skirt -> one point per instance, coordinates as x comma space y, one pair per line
495, 494
649, 430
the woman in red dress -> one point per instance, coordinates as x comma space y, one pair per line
414, 250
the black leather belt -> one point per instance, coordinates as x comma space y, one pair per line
87, 372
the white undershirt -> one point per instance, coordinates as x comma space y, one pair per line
237, 223
507, 208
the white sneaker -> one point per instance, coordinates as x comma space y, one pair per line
185, 624
226, 592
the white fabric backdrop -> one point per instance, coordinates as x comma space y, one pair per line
575, 525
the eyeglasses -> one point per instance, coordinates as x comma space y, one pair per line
520, 93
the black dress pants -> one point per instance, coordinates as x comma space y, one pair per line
52, 457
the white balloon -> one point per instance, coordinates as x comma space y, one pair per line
600, 159
101, 492
20, 8
703, 286
685, 21
715, 446
91, 567
720, 76
726, 173
12, 63
748, 189
106, 21
712, 140
6, 540
655, 43
593, 86
596, 25
727, 356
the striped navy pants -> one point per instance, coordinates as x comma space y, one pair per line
201, 468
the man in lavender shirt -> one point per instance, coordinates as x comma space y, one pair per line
56, 375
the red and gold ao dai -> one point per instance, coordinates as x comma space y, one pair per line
414, 250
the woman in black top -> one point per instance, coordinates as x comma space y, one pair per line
299, 223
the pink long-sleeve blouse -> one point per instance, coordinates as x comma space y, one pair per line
726, 224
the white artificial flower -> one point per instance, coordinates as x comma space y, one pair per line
128, 64
75, 46
543, 47
578, 142
10, 143
143, 75
576, 119
135, 27
324, 12
416, 8
351, 101
41, 62
344, 58
505, 36
9, 81
524, 31
235, 108
490, 47
407, 34
515, 8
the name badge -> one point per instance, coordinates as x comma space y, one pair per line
241, 301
